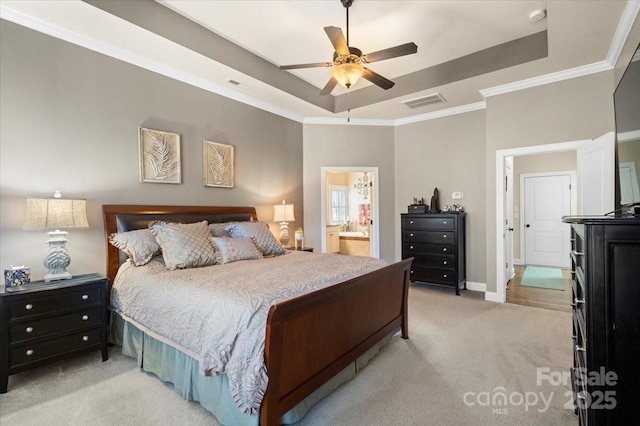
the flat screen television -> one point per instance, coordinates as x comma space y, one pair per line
626, 101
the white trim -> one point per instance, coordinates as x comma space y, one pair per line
628, 136
500, 294
442, 113
342, 121
625, 25
374, 236
572, 208
473, 286
553, 77
517, 261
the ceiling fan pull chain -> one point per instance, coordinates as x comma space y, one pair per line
348, 107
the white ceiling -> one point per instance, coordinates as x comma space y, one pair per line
580, 36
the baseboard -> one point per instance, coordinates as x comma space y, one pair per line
476, 286
492, 296
517, 262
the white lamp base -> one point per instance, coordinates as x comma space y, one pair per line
57, 258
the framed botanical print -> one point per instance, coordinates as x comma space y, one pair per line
159, 156
217, 167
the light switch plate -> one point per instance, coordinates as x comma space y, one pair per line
456, 195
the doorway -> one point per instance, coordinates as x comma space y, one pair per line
350, 220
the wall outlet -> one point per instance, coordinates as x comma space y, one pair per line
456, 195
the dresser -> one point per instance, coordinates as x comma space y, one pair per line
605, 275
436, 241
43, 322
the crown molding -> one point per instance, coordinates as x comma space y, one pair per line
547, 79
625, 25
628, 136
342, 121
442, 113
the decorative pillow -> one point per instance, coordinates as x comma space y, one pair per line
262, 237
184, 245
140, 245
234, 249
219, 229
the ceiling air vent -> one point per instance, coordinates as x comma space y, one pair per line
435, 98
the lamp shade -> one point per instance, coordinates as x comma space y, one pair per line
283, 213
55, 213
347, 74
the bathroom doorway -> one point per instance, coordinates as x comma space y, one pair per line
349, 211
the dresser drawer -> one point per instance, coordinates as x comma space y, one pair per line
435, 223
429, 236
415, 247
27, 353
33, 329
437, 260
433, 275
42, 303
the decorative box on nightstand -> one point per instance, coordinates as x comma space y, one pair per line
43, 322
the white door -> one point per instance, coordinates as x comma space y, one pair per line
547, 199
508, 214
596, 168
629, 191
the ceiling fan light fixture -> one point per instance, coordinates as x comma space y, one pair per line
347, 74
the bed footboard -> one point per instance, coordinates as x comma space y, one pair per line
311, 338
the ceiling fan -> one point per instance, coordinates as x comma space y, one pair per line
348, 62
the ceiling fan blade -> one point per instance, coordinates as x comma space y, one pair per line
331, 84
377, 79
337, 40
314, 65
392, 52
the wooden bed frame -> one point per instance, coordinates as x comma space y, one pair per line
309, 339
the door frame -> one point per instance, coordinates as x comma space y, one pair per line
572, 208
374, 235
500, 294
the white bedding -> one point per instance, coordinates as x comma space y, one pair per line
217, 314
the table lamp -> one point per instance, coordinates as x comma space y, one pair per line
283, 213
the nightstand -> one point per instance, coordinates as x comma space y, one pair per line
309, 249
43, 322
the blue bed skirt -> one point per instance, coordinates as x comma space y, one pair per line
212, 392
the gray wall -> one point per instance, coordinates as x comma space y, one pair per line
446, 153
342, 146
70, 119
570, 110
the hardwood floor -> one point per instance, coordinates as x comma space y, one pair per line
554, 300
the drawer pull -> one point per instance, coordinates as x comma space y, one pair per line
444, 222
85, 338
412, 272
444, 276
29, 329
85, 317
444, 236
411, 222
580, 349
29, 352
411, 234
444, 263
411, 247
444, 249
85, 297
577, 302
577, 253
28, 306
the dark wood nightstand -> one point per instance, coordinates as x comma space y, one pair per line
43, 322
309, 249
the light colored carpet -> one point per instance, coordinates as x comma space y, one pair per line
463, 353
543, 277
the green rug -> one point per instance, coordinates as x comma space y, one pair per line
543, 277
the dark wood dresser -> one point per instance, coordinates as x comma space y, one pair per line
605, 255
436, 241
43, 322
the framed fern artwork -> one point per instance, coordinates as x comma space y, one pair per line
159, 156
217, 168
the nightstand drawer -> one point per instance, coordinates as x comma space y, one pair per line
44, 327
27, 353
429, 236
32, 304
417, 223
